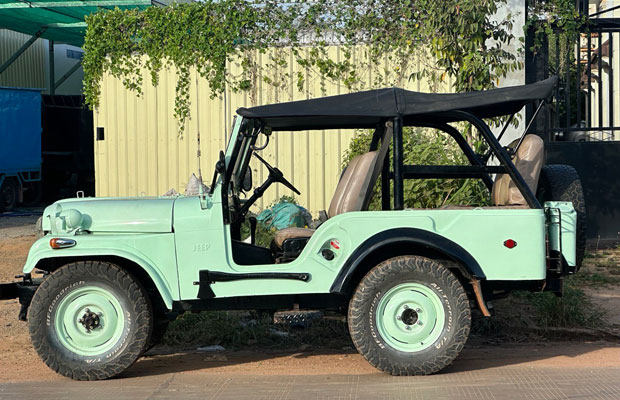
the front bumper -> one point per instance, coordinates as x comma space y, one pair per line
23, 291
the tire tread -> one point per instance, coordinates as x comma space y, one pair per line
387, 271
79, 270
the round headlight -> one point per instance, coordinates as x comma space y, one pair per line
73, 218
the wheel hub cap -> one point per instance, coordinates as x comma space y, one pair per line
89, 321
410, 317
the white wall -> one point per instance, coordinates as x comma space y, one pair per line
517, 8
62, 64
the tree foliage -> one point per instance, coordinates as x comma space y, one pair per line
463, 40
548, 19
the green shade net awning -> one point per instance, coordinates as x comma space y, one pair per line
61, 21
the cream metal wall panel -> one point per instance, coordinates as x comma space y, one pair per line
144, 154
30, 68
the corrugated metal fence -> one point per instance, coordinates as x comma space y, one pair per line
143, 152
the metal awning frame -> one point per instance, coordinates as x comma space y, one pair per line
63, 4
53, 84
22, 49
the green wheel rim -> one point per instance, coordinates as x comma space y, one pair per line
410, 317
94, 338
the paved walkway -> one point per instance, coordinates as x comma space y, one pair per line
497, 383
559, 370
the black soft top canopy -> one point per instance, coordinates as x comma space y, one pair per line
367, 109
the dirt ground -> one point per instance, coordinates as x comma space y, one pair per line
600, 277
19, 362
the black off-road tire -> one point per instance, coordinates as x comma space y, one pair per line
387, 275
137, 312
561, 183
8, 195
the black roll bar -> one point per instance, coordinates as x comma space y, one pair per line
501, 154
477, 169
471, 155
399, 196
450, 171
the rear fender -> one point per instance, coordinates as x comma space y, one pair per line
416, 238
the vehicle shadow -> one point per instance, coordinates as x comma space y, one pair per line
551, 354
168, 361
348, 362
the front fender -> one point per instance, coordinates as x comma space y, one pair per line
161, 267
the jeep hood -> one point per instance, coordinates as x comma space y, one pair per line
123, 215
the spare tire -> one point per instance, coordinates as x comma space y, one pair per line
562, 183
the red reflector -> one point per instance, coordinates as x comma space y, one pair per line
335, 244
510, 243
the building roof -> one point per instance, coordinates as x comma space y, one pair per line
60, 21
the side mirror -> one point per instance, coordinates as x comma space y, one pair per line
221, 165
247, 180
220, 169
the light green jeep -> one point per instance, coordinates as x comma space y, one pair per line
115, 269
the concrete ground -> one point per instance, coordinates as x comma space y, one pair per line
561, 370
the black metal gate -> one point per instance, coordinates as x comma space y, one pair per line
585, 111
585, 104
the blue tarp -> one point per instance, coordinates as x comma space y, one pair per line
20, 130
283, 215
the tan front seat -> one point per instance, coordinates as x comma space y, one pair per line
528, 160
350, 195
354, 190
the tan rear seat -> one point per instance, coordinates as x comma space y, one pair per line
529, 161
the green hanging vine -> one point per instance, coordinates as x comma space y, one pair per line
463, 40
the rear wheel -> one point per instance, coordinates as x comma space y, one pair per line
409, 316
8, 195
90, 320
562, 183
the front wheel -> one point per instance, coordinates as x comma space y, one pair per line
90, 320
409, 316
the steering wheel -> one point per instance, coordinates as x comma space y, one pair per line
277, 175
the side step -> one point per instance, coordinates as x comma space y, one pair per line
206, 278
